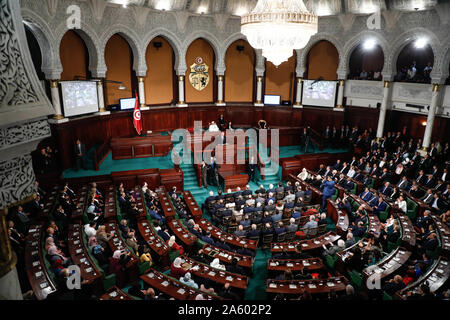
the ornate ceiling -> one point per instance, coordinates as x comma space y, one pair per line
320, 7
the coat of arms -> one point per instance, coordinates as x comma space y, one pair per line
199, 76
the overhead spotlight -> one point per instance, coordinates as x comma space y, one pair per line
202, 9
369, 44
424, 123
420, 43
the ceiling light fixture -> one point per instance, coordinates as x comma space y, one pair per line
369, 44
278, 27
420, 43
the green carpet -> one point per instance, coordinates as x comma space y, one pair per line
109, 165
256, 288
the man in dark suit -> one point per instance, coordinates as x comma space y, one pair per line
366, 195
254, 232
440, 186
385, 176
380, 206
164, 234
79, 150
403, 184
421, 177
385, 189
428, 197
251, 169
429, 182
204, 170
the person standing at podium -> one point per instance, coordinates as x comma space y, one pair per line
79, 151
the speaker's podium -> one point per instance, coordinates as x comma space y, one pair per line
152, 145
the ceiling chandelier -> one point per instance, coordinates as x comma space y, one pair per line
278, 27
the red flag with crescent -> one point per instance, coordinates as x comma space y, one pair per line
137, 119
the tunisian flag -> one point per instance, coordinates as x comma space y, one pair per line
137, 120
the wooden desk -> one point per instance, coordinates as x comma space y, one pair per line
140, 147
187, 238
294, 265
110, 204
345, 254
231, 239
444, 235
49, 202
117, 243
215, 275
171, 287
81, 258
116, 294
40, 280
436, 277
166, 205
408, 233
227, 257
154, 241
306, 245
192, 205
314, 286
374, 226
388, 265
339, 217
233, 179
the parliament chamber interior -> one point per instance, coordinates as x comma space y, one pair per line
225, 150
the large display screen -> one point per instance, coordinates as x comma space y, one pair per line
319, 93
79, 97
272, 100
127, 104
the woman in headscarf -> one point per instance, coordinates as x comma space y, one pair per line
187, 280
116, 267
92, 242
174, 246
176, 270
216, 264
303, 174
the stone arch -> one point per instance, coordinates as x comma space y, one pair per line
302, 58
97, 64
228, 42
402, 40
442, 61
212, 40
51, 64
170, 37
358, 39
139, 64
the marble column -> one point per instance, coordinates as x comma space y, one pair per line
340, 97
141, 92
384, 103
181, 103
220, 80
430, 117
101, 99
54, 89
259, 84
298, 96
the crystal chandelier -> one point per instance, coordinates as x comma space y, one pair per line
278, 27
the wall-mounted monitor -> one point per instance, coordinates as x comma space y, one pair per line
272, 100
319, 93
79, 97
127, 104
